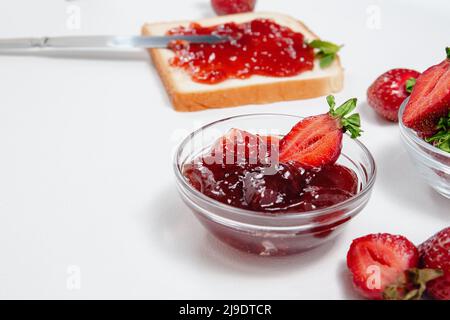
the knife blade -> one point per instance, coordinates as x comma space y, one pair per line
119, 42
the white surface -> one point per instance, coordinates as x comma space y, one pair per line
85, 158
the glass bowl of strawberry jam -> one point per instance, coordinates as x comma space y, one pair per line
236, 186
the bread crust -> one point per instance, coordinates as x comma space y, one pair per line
261, 93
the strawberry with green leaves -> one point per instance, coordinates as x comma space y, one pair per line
388, 91
317, 141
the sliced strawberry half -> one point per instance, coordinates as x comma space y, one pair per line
384, 266
379, 260
430, 98
317, 141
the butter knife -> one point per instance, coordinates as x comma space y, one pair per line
118, 42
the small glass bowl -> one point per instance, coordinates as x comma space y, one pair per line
432, 164
259, 233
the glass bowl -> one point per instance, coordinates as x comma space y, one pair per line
432, 164
259, 233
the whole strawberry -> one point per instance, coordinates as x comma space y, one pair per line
223, 7
389, 90
435, 253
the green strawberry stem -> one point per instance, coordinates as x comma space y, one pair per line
350, 123
326, 52
410, 83
412, 286
447, 51
441, 139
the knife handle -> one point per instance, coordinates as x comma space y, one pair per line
62, 42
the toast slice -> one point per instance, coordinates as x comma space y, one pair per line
188, 95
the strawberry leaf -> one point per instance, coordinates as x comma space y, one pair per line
351, 123
347, 107
410, 83
331, 102
413, 286
447, 51
419, 278
326, 60
325, 47
441, 139
325, 52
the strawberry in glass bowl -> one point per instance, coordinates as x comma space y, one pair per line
424, 120
278, 184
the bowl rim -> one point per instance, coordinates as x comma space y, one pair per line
264, 215
411, 134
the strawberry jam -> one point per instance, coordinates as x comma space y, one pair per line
241, 170
259, 47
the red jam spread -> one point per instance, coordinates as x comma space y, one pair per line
259, 47
237, 171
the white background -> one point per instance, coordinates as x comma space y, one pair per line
86, 144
